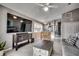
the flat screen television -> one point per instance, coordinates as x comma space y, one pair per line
18, 24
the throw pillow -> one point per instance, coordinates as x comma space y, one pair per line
77, 34
71, 40
77, 43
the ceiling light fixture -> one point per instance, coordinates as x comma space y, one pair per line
21, 21
46, 8
14, 17
69, 3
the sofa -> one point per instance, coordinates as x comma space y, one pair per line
70, 48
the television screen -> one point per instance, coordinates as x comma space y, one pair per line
18, 24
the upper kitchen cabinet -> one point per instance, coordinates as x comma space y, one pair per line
71, 16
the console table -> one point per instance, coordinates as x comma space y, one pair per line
43, 48
20, 39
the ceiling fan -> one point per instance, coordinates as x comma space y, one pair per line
47, 6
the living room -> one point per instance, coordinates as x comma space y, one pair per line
33, 23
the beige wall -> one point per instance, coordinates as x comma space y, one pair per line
3, 25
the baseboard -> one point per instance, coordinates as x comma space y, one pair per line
9, 49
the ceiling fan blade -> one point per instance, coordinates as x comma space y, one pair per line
39, 4
47, 5
53, 6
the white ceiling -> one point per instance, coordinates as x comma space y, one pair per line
36, 12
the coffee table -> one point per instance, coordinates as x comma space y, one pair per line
43, 48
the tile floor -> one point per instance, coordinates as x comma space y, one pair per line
27, 50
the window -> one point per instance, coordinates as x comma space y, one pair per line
38, 27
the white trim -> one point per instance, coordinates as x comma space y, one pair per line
9, 49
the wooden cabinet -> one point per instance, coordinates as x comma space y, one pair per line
71, 16
67, 16
42, 35
46, 35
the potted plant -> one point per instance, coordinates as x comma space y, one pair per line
2, 45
